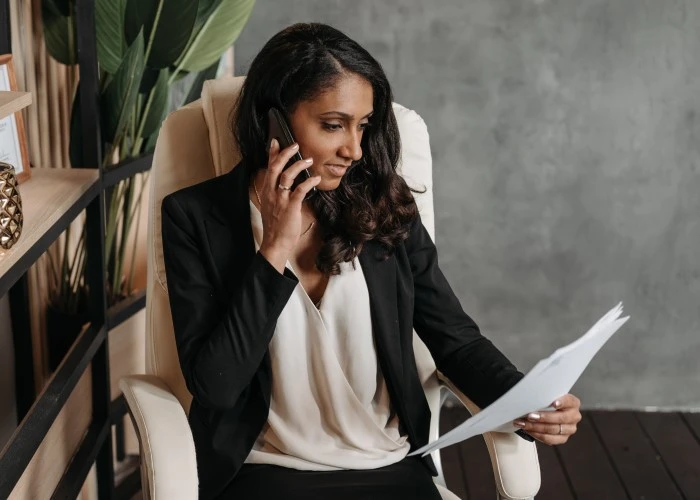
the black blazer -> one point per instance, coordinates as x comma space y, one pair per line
226, 298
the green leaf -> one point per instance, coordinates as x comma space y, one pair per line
217, 34
59, 32
173, 20
176, 77
196, 89
204, 10
119, 97
173, 31
148, 81
111, 42
137, 14
158, 106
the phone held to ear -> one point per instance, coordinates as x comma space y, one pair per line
280, 130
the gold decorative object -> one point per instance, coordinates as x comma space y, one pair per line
10, 207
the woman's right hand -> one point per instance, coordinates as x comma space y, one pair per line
281, 208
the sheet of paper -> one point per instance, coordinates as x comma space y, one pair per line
549, 379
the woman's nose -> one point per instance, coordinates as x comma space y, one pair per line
353, 147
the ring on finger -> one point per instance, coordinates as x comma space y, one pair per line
285, 188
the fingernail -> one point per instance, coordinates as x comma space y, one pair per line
309, 160
273, 143
295, 146
557, 404
519, 423
534, 416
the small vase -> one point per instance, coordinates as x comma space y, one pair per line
11, 218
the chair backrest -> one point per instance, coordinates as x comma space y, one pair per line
195, 144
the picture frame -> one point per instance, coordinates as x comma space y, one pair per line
13, 138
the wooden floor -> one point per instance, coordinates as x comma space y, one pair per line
614, 455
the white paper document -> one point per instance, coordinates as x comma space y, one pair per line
549, 379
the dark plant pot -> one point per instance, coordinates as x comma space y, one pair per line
61, 330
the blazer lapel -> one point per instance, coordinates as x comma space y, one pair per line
380, 276
227, 225
232, 245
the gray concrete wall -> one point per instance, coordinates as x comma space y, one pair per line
566, 146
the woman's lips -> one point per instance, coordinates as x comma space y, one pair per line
337, 170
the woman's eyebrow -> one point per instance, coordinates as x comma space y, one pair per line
345, 115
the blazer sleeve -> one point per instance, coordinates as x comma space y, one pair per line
459, 349
220, 348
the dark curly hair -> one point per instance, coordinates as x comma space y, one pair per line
372, 201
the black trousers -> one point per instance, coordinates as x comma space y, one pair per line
408, 479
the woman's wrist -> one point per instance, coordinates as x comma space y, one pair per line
275, 256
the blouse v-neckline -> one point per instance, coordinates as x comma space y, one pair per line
258, 219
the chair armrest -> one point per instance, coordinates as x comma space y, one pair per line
516, 468
168, 460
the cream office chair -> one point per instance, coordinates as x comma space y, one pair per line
195, 145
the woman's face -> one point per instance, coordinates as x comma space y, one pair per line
329, 128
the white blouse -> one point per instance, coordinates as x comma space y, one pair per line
329, 407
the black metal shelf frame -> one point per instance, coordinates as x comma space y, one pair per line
113, 175
35, 425
91, 346
125, 309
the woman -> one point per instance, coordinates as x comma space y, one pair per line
293, 308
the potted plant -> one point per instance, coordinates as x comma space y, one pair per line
144, 49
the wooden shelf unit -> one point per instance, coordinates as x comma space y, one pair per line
51, 199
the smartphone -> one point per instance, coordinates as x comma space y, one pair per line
280, 130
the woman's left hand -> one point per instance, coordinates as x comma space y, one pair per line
553, 427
